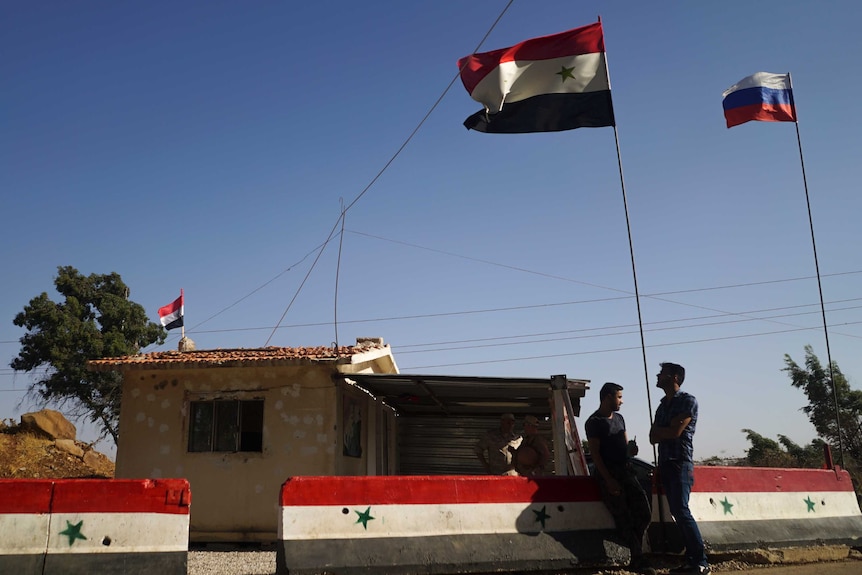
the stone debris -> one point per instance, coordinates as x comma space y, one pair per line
50, 423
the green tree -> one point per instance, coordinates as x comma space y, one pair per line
95, 320
766, 452
810, 456
813, 379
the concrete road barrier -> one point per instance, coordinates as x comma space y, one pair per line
747, 507
94, 526
441, 524
476, 524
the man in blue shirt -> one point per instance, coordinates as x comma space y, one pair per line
673, 430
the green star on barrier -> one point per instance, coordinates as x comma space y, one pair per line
541, 516
73, 531
364, 517
809, 503
728, 506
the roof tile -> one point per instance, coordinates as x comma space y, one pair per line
233, 357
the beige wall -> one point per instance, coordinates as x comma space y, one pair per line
235, 495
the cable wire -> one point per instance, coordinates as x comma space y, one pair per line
382, 170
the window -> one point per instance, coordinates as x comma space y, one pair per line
226, 425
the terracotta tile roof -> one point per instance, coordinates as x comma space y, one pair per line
243, 357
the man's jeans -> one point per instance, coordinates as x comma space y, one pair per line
677, 477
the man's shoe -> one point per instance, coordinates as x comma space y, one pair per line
691, 570
641, 565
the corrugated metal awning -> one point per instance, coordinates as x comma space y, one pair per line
453, 395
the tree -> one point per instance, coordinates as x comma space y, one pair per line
95, 320
810, 456
814, 381
766, 452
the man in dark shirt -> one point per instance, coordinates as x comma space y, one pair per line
621, 491
673, 430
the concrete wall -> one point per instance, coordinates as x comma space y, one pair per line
83, 526
236, 494
442, 524
478, 524
746, 507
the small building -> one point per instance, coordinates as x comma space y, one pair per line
238, 422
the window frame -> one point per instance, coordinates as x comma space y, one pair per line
226, 425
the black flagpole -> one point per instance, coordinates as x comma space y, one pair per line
637, 293
631, 254
819, 284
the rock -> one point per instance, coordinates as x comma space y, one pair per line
50, 423
93, 459
186, 344
69, 446
98, 462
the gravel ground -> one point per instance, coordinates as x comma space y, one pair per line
258, 562
263, 563
231, 563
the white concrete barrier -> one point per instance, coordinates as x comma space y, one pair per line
94, 526
748, 507
477, 524
442, 524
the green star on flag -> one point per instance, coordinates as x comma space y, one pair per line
809, 503
364, 517
541, 516
566, 73
728, 506
73, 531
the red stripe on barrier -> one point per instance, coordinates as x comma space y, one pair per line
171, 496
417, 490
25, 496
437, 489
769, 480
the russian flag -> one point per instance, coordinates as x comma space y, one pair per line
547, 84
763, 97
171, 315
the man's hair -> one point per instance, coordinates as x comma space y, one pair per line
610, 388
674, 369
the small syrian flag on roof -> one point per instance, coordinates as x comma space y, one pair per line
171, 315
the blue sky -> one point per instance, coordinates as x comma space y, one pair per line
210, 146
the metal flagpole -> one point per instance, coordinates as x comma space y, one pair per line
638, 303
819, 285
634, 269
183, 327
631, 251
637, 297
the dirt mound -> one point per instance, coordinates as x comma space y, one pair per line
25, 454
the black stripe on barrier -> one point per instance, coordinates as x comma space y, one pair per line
149, 563
428, 555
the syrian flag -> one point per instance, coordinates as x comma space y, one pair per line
171, 315
549, 84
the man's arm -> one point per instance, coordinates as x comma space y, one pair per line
544, 452
672, 431
479, 449
595, 444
